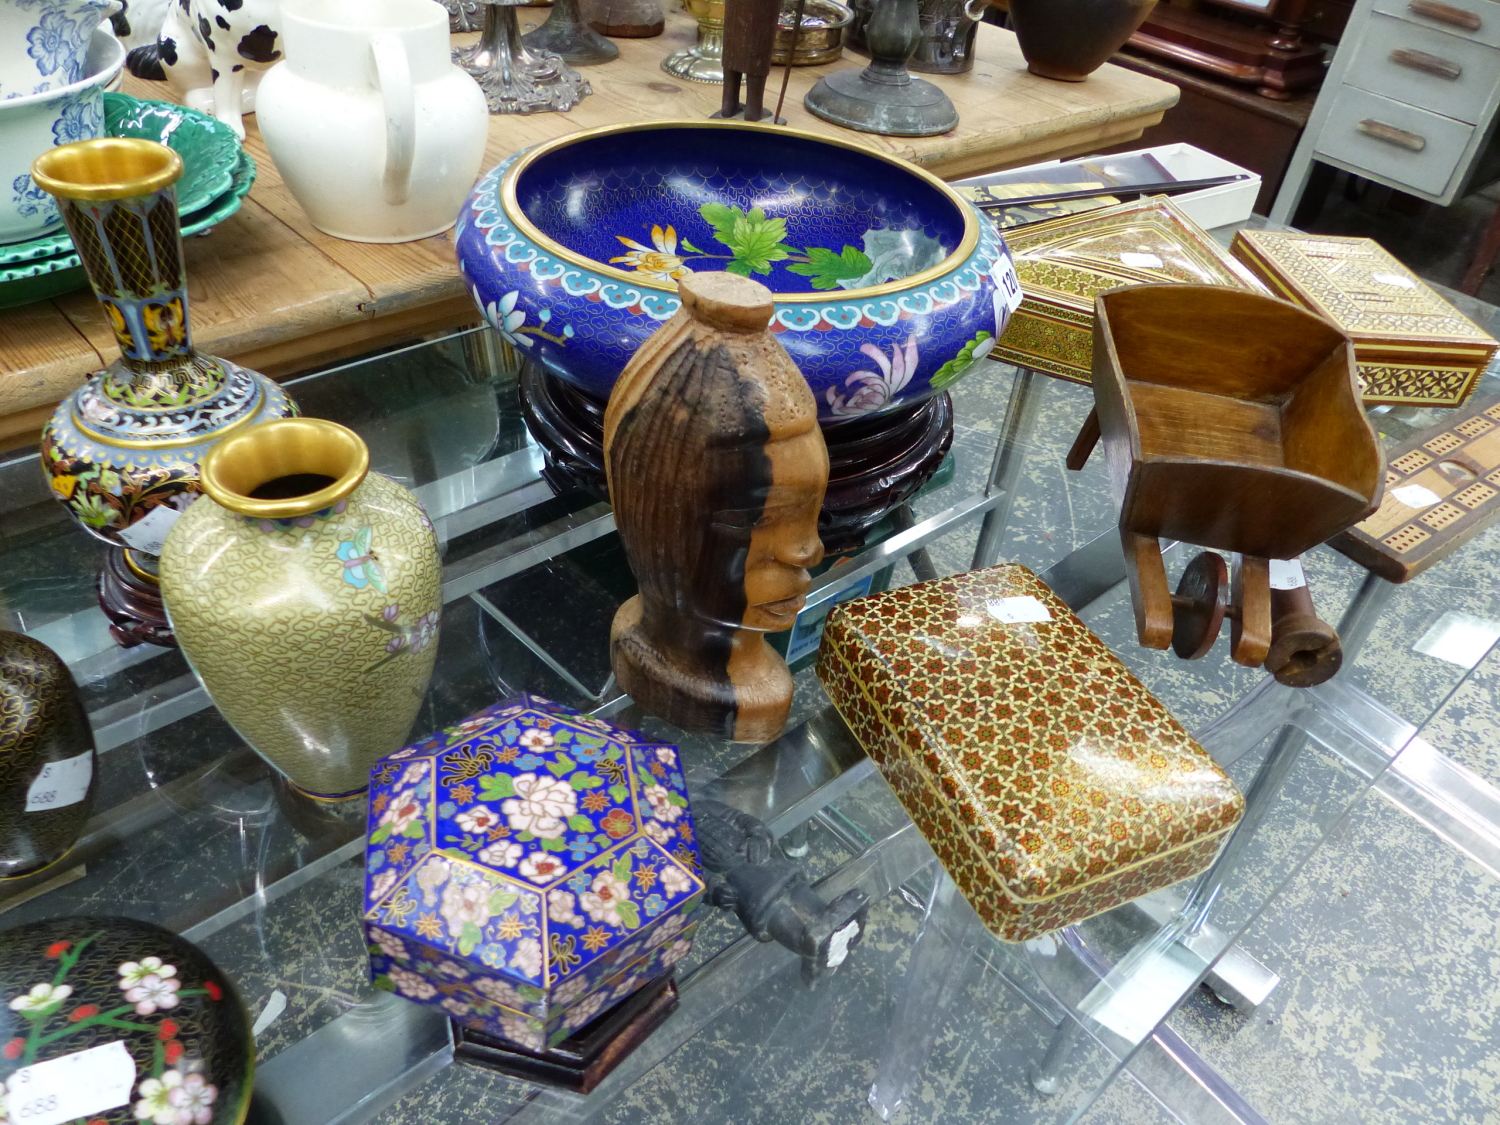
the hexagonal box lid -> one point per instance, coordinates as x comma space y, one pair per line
528, 868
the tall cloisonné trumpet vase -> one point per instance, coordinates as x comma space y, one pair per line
123, 450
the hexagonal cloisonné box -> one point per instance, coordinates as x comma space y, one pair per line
528, 868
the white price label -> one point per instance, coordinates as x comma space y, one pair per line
61, 784
74, 1086
1004, 274
1286, 574
1140, 261
1016, 611
1416, 496
149, 532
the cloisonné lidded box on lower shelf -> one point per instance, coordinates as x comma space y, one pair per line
528, 868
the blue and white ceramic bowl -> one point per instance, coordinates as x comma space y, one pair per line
886, 280
43, 43
31, 125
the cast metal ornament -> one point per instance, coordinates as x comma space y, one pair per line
514, 78
704, 60
566, 35
884, 98
771, 895
464, 15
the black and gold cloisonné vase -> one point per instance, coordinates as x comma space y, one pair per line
111, 1021
47, 776
123, 449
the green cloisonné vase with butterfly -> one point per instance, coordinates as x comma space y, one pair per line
305, 592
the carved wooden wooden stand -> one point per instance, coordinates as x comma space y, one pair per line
1232, 421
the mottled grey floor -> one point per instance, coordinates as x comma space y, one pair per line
1387, 1013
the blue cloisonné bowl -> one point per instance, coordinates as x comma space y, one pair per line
886, 280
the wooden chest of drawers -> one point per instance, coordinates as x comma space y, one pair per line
1410, 100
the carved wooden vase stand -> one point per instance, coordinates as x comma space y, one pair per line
716, 470
876, 463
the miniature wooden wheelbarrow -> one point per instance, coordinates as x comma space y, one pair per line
1232, 421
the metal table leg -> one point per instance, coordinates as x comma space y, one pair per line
1010, 453
919, 560
1369, 602
1354, 630
1047, 1077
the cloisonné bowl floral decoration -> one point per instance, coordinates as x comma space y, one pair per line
528, 869
887, 282
117, 1021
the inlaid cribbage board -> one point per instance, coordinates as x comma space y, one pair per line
1442, 487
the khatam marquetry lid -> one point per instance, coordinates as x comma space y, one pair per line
1068, 262
1062, 768
1357, 284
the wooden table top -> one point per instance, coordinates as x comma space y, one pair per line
270, 291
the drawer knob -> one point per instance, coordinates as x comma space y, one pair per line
1392, 135
1446, 13
1428, 64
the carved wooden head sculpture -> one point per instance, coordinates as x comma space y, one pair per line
716, 469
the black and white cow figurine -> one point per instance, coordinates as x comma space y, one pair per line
213, 54
138, 24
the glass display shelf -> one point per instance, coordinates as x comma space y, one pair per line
193, 831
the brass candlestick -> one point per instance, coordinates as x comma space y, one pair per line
704, 60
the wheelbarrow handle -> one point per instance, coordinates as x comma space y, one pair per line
1084, 443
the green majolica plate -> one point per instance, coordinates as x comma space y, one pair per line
22, 283
209, 149
210, 158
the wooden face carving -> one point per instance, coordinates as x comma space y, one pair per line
760, 484
717, 470
784, 543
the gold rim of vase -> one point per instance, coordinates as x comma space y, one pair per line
46, 868
106, 168
327, 798
514, 214
239, 464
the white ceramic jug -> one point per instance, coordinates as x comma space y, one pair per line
377, 134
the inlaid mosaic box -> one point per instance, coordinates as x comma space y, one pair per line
1064, 264
528, 868
1052, 785
1413, 347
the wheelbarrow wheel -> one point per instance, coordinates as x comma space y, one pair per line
1198, 606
